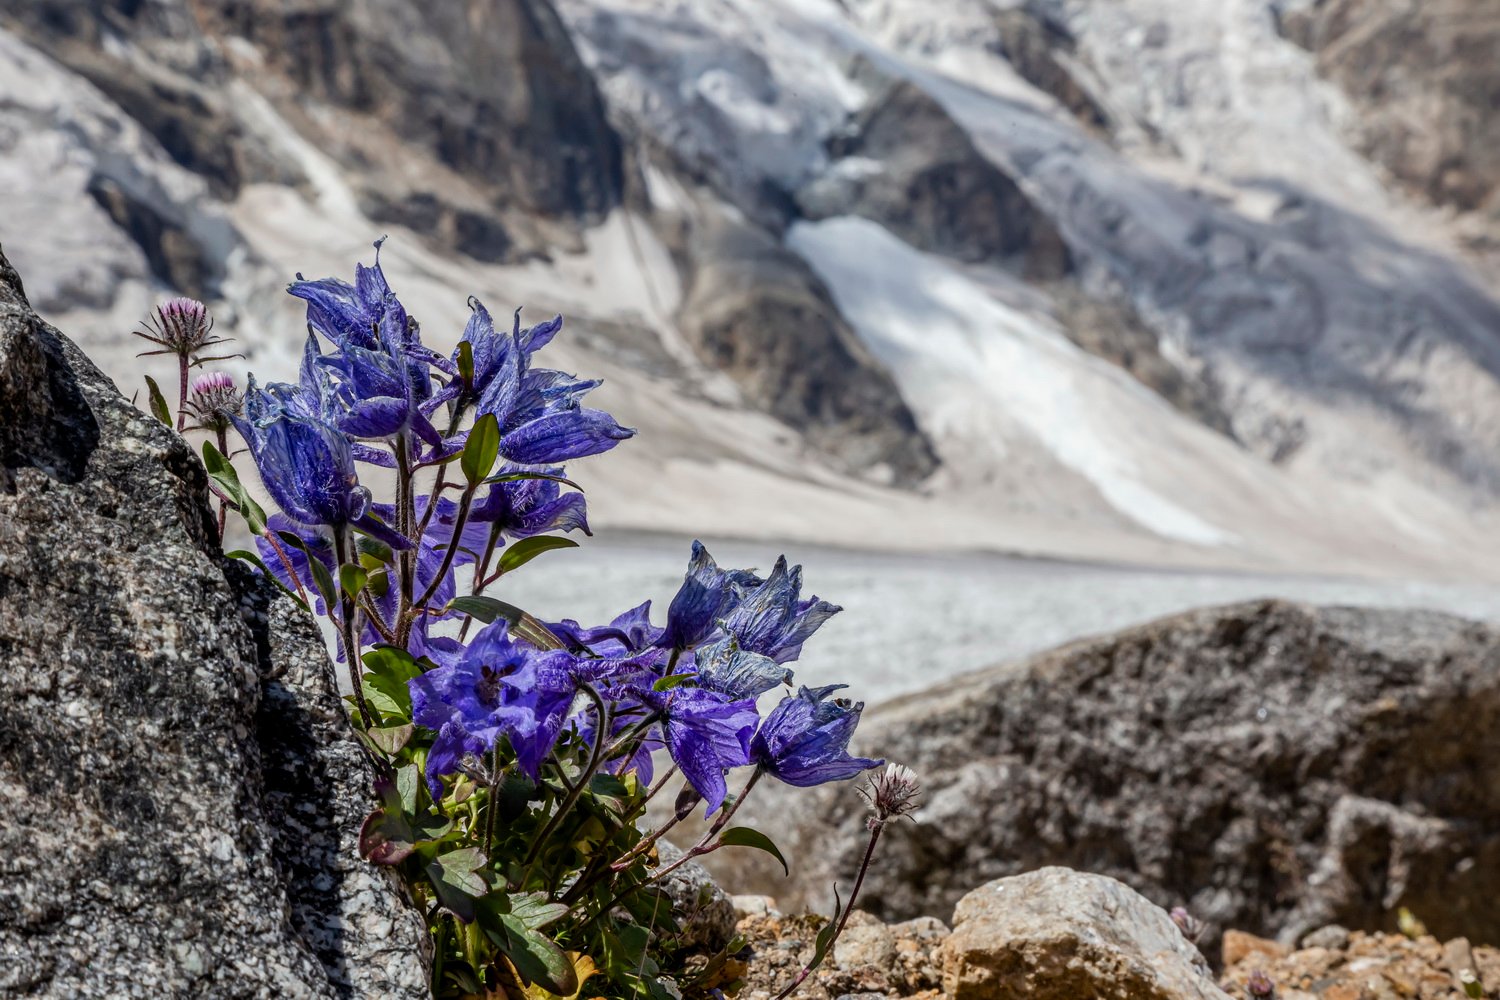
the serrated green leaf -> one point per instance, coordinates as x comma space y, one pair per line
520, 553
482, 448
159, 408
743, 836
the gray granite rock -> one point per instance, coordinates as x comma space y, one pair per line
1273, 767
172, 823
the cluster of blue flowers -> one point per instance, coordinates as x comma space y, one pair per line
370, 393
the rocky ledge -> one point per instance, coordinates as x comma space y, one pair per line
1057, 934
179, 790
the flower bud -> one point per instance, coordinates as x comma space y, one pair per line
1260, 986
1192, 928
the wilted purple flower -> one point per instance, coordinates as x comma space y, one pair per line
804, 740
723, 666
214, 401
773, 620
495, 687
706, 595
892, 793
521, 508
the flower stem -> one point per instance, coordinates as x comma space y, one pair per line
182, 392
448, 554
596, 756
349, 627
843, 918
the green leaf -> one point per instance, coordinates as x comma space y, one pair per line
524, 626
670, 681
321, 577
408, 784
373, 553
158, 402
482, 448
388, 671
743, 836
457, 877
390, 739
537, 957
534, 910
824, 940
352, 579
466, 363
255, 560
386, 838
520, 553
221, 471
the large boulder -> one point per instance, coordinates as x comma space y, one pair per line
179, 791
1057, 934
1274, 767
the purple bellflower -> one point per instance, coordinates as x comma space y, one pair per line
804, 740
539, 411
495, 687
521, 508
706, 595
305, 464
772, 619
706, 734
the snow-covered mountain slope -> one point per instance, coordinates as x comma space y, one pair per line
1088, 279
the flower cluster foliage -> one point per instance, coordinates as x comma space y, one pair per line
516, 757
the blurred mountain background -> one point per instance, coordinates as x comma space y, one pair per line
1167, 283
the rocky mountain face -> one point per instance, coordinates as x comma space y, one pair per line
182, 794
1426, 82
1144, 280
1272, 767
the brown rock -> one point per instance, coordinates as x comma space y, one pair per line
1057, 934
1238, 945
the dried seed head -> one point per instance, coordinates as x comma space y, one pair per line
892, 793
1191, 927
1260, 986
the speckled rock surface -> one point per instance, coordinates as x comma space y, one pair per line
171, 825
1057, 934
1271, 766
